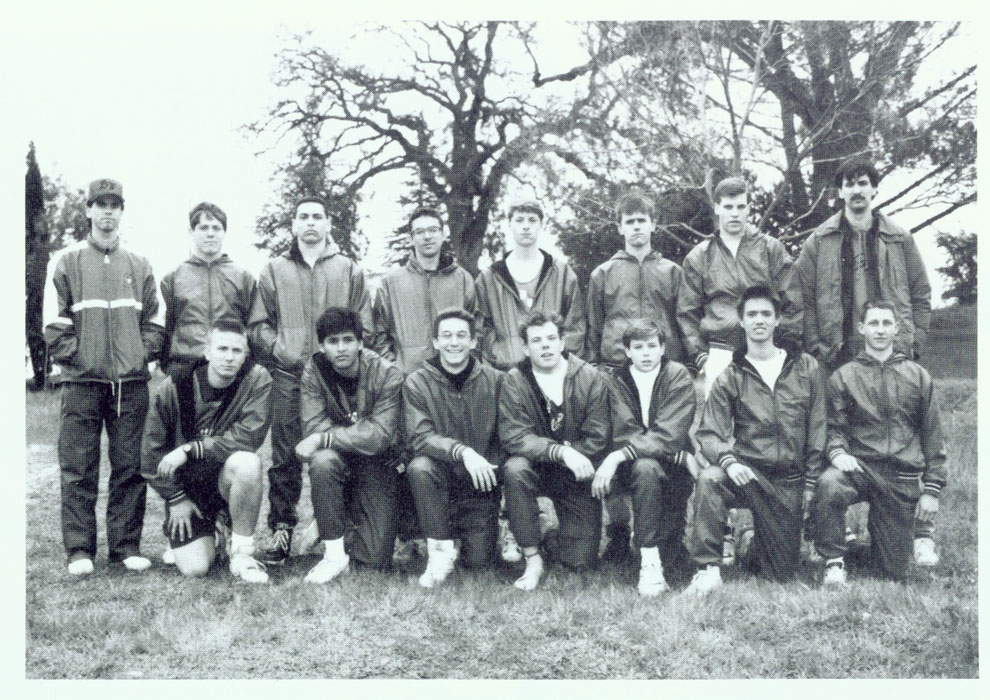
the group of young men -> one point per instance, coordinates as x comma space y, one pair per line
450, 401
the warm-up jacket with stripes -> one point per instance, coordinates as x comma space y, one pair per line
241, 427
292, 296
371, 426
779, 430
623, 288
409, 300
442, 421
500, 310
198, 294
522, 420
886, 411
672, 406
103, 320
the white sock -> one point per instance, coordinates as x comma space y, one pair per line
334, 548
650, 556
241, 543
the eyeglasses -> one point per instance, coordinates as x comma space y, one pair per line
429, 229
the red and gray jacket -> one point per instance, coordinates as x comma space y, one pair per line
409, 300
442, 421
371, 426
103, 321
901, 274
672, 406
622, 289
886, 412
291, 297
500, 310
713, 280
214, 430
197, 295
522, 421
778, 430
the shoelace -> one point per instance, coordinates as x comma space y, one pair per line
280, 539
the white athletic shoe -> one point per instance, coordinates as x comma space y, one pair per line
705, 581
440, 563
81, 567
245, 567
532, 575
924, 552
136, 562
306, 539
328, 569
835, 575
651, 580
510, 548
168, 556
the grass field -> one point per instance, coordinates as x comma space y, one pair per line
368, 624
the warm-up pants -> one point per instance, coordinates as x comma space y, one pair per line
86, 408
449, 506
285, 476
776, 520
579, 512
360, 490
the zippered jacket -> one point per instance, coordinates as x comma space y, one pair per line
622, 289
672, 406
713, 281
103, 320
409, 300
500, 310
219, 430
886, 411
778, 430
292, 296
901, 274
441, 422
522, 421
371, 426
198, 294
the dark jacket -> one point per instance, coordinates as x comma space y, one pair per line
409, 300
886, 411
198, 294
623, 288
500, 310
103, 320
522, 420
778, 430
241, 425
901, 274
441, 421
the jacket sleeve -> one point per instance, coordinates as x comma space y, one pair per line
573, 313
163, 417
921, 294
248, 432
360, 301
932, 444
171, 314
518, 427
312, 404
596, 316
483, 321
60, 329
715, 432
690, 307
596, 425
814, 444
264, 315
375, 433
383, 343
787, 288
152, 316
668, 433
805, 270
837, 414
247, 296
421, 432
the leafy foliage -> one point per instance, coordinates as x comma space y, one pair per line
961, 269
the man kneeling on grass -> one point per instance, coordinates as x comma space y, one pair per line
351, 400
653, 404
764, 428
199, 452
885, 447
554, 423
450, 410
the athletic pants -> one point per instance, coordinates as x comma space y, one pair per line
285, 476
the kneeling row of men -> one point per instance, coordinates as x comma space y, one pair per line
556, 426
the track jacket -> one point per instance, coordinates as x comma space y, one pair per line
218, 430
409, 300
197, 294
886, 411
779, 430
712, 282
441, 421
621, 289
522, 422
292, 296
902, 278
371, 426
500, 310
672, 408
103, 321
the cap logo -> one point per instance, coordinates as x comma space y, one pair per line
106, 184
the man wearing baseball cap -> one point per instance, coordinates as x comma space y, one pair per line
103, 323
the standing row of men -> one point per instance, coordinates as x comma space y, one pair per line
333, 401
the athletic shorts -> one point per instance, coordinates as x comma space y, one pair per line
199, 479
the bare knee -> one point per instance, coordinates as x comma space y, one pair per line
195, 558
244, 468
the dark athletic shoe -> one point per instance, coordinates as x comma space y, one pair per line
617, 550
279, 546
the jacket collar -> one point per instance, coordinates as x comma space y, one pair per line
500, 269
295, 254
194, 259
574, 364
624, 372
96, 246
445, 264
435, 368
792, 349
832, 226
864, 358
623, 254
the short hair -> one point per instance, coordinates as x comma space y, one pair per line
197, 212
310, 198
758, 291
878, 304
229, 325
730, 187
642, 329
853, 167
421, 212
530, 206
453, 312
337, 319
538, 318
635, 203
